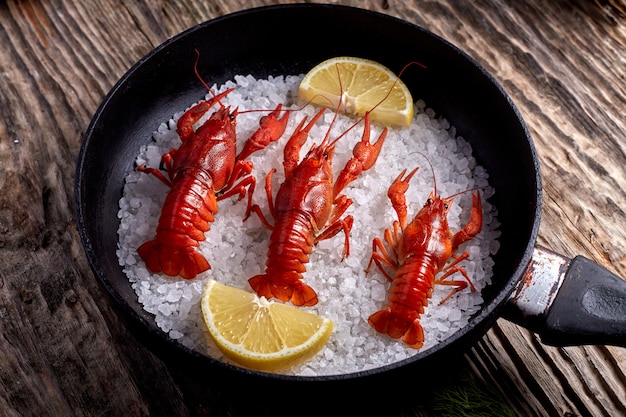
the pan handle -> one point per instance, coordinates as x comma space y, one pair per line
569, 301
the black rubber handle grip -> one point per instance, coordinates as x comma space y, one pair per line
589, 308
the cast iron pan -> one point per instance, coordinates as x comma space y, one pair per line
453, 84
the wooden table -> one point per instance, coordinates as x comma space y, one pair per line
65, 351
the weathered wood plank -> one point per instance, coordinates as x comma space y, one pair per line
64, 350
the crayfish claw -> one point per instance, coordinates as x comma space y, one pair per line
474, 225
271, 128
364, 157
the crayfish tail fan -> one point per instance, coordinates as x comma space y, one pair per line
172, 261
149, 254
192, 263
387, 322
298, 293
414, 336
303, 295
380, 320
260, 285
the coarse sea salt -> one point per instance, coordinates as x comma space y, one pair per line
237, 250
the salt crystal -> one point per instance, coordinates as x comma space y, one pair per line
188, 293
173, 296
175, 334
130, 260
143, 229
164, 309
454, 315
494, 247
347, 285
308, 372
183, 309
379, 292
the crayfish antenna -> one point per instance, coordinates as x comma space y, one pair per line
199, 77
432, 170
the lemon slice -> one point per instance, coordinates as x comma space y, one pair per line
261, 334
365, 84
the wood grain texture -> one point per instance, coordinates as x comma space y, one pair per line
64, 351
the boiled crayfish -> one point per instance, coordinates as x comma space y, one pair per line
202, 171
308, 209
418, 252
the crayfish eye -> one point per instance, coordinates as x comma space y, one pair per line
429, 201
445, 206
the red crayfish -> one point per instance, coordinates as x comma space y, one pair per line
418, 252
202, 171
308, 209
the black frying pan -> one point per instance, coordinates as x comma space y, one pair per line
526, 281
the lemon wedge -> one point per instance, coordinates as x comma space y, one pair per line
261, 334
357, 85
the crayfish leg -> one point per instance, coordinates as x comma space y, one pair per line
450, 269
381, 256
344, 224
153, 171
459, 286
